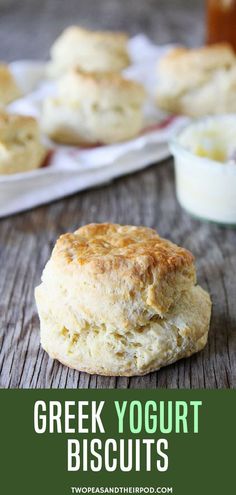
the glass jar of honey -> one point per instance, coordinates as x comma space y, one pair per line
221, 21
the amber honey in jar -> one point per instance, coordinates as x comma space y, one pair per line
221, 21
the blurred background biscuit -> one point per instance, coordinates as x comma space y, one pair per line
89, 50
93, 108
9, 90
20, 145
199, 81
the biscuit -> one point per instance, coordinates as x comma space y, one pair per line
198, 82
8, 87
91, 51
120, 300
93, 108
20, 146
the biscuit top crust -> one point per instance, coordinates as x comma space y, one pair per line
17, 128
112, 247
213, 57
76, 34
91, 50
96, 85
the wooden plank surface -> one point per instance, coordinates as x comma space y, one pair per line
144, 198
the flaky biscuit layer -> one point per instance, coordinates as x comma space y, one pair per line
142, 349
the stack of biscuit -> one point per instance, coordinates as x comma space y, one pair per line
94, 102
120, 300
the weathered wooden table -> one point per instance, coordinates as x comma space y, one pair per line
27, 28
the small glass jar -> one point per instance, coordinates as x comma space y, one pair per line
205, 176
221, 21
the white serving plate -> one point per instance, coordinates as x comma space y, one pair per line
72, 169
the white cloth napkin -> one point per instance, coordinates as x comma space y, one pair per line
72, 169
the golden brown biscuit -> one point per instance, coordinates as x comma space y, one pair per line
8, 87
20, 146
199, 81
120, 300
93, 108
97, 51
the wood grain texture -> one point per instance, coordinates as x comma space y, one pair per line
144, 198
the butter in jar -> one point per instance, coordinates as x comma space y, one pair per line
205, 168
